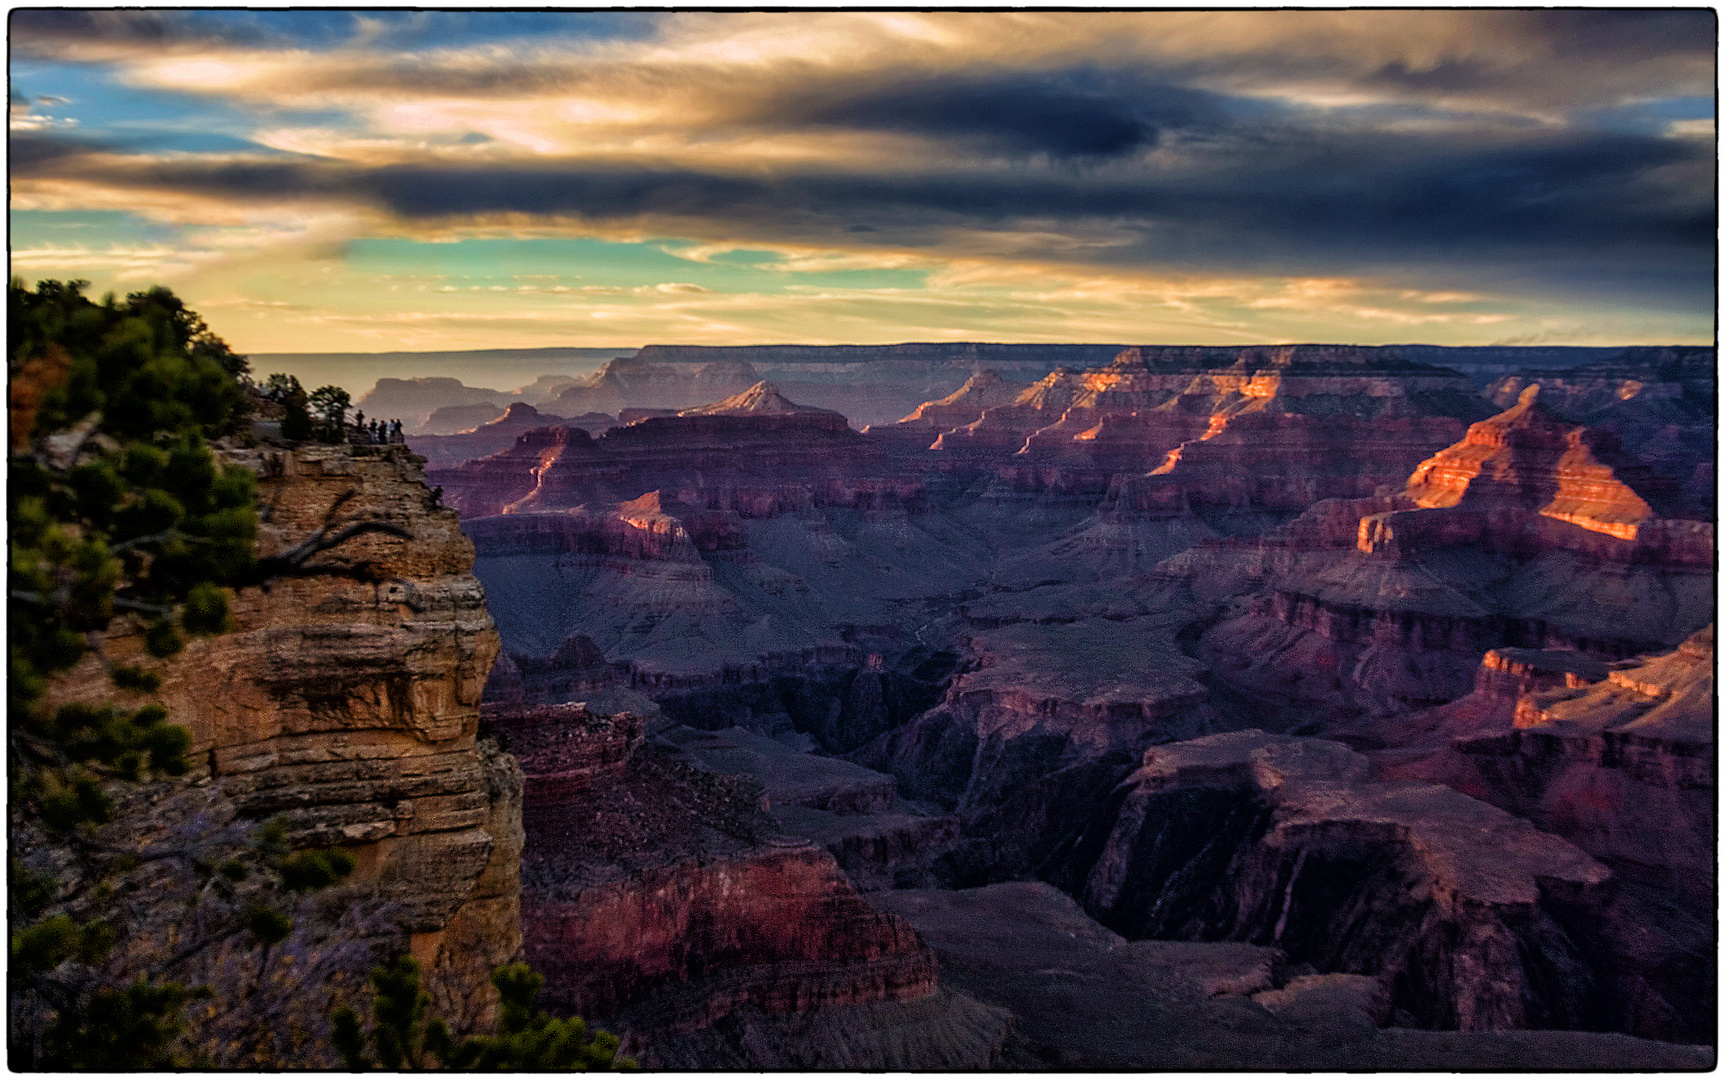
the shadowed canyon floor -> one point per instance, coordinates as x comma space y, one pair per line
1374, 713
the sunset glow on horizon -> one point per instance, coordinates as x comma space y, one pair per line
320, 180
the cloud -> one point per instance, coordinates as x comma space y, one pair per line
1436, 148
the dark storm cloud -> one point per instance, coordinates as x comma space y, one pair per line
1595, 200
1642, 33
1073, 113
49, 32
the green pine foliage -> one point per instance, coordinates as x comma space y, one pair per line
402, 1037
118, 511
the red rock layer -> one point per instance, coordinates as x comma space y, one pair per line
442, 451
932, 419
652, 885
756, 454
561, 748
780, 930
1524, 481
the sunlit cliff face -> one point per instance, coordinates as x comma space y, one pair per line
331, 180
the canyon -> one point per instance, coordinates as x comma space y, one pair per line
1284, 707
1253, 661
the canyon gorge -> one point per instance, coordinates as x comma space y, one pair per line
1005, 707
1288, 691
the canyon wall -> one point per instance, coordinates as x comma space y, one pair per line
661, 900
346, 701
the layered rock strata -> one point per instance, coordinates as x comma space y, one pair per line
1467, 914
660, 899
756, 453
1278, 427
871, 384
447, 448
1658, 403
1523, 481
1524, 534
346, 700
1082, 997
932, 419
1621, 764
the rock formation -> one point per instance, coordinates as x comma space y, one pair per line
1523, 534
1280, 426
412, 401
1457, 906
993, 628
451, 419
963, 406
1658, 403
659, 899
446, 448
1083, 998
755, 452
346, 700
1524, 481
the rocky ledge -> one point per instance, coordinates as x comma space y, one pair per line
1081, 997
1467, 914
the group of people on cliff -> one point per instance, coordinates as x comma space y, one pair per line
377, 432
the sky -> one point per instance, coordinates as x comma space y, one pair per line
324, 180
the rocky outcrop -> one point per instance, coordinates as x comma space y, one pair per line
659, 899
1026, 745
1523, 481
487, 485
346, 700
412, 401
963, 406
1466, 913
563, 748
1083, 998
449, 446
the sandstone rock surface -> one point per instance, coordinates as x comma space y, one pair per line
346, 700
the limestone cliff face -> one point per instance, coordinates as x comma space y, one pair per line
347, 700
